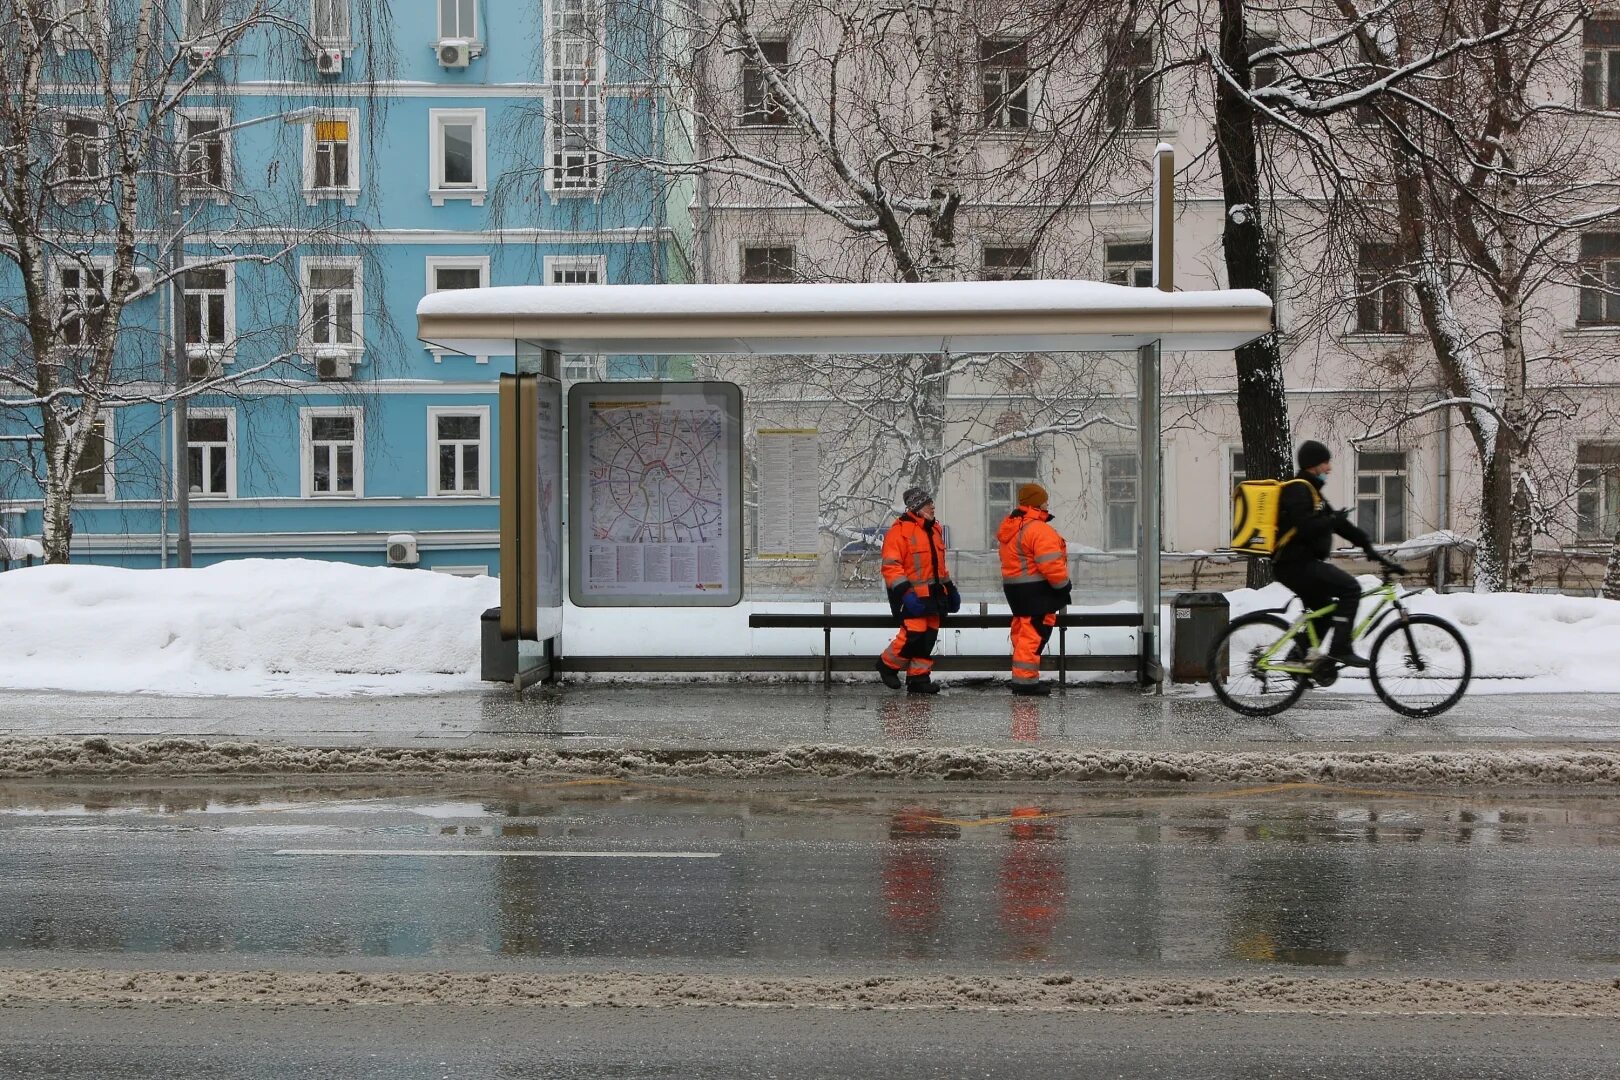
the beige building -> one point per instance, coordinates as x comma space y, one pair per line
1359, 371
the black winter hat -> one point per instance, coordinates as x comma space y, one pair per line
916, 498
1312, 454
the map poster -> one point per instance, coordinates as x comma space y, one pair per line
655, 494
789, 493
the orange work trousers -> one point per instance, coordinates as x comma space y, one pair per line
1029, 635
912, 649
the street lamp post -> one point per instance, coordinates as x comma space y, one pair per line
182, 367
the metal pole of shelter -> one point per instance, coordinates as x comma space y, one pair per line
1149, 500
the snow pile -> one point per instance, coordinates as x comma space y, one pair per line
252, 627
1521, 642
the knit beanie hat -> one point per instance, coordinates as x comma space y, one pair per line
1312, 454
1032, 495
916, 498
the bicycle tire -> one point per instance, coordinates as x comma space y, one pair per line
1428, 688
1286, 688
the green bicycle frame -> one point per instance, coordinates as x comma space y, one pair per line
1387, 597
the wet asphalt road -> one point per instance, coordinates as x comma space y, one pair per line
729, 1044
798, 878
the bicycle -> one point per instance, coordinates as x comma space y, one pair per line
1419, 664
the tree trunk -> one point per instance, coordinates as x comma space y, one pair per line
1261, 391
58, 490
1611, 577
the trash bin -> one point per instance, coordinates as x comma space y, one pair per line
498, 659
1199, 618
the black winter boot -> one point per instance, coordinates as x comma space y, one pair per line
1031, 689
890, 677
921, 684
1341, 650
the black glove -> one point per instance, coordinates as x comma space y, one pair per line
953, 599
1065, 595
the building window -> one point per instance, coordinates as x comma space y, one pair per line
1130, 99
94, 476
1237, 473
333, 455
1119, 501
1004, 84
84, 303
206, 165
1129, 262
1380, 299
447, 272
577, 270
333, 298
1600, 74
1600, 280
1267, 70
331, 168
574, 70
209, 311
82, 149
204, 19
1381, 496
77, 21
211, 453
761, 105
459, 451
457, 148
1007, 263
1597, 491
763, 265
1002, 476
458, 19
329, 22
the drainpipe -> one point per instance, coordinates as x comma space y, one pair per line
1443, 560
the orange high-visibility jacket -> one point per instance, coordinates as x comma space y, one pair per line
1034, 562
914, 556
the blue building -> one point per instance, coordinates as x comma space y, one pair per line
329, 181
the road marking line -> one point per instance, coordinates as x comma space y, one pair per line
504, 854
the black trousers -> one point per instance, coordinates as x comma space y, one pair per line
1320, 584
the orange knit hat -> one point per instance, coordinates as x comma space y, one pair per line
1032, 495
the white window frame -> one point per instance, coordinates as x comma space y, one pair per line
197, 35
229, 416
226, 349
771, 113
1401, 291
306, 451
306, 331
438, 189
104, 263
189, 189
332, 41
461, 33
349, 194
993, 514
1030, 269
1599, 59
564, 83
78, 18
1135, 503
768, 245
110, 475
1231, 477
456, 262
1007, 94
83, 183
1590, 485
578, 367
1403, 476
434, 412
1129, 71
1134, 267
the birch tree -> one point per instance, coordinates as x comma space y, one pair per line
93, 98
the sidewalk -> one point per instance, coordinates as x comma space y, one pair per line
752, 715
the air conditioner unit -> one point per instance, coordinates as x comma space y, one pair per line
203, 363
329, 61
402, 550
333, 364
200, 55
454, 52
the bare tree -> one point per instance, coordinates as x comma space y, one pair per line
101, 171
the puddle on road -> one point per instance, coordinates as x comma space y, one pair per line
1286, 876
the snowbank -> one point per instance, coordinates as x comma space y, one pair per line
252, 627
1521, 642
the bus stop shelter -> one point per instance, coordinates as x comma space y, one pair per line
537, 324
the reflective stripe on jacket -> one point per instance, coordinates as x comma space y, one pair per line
914, 555
1034, 561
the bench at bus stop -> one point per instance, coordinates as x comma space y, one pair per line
1057, 657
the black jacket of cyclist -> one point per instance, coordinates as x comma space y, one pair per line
1306, 525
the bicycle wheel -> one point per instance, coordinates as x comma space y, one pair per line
1420, 666
1235, 672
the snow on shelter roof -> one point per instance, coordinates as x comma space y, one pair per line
955, 317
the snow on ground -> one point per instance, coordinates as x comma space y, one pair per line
1522, 643
298, 627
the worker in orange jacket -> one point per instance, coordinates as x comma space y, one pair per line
920, 592
1035, 577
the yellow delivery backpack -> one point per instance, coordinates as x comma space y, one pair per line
1254, 515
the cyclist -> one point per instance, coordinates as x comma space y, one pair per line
1306, 525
